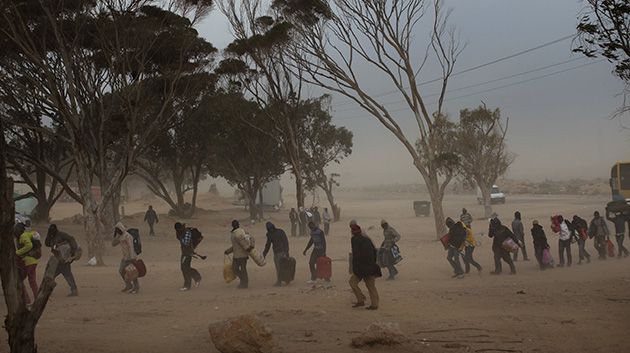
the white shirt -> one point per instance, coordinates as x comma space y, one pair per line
564, 231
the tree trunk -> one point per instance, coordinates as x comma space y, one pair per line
333, 206
433, 186
195, 190
93, 230
486, 200
299, 189
41, 213
261, 204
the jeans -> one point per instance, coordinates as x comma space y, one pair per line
190, 274
65, 269
151, 231
522, 249
468, 259
326, 228
453, 259
501, 254
622, 249
601, 246
582, 250
135, 285
370, 283
317, 253
293, 229
240, 270
565, 245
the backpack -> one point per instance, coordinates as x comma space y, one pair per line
196, 237
36, 251
137, 245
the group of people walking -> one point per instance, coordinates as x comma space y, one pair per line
302, 217
508, 243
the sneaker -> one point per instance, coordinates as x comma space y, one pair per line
358, 304
74, 293
197, 283
184, 289
126, 289
277, 284
134, 291
310, 281
460, 276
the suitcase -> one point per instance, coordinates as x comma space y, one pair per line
140, 266
611, 249
445, 239
287, 269
324, 267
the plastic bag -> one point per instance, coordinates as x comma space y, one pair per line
92, 261
228, 272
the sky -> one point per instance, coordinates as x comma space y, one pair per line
560, 126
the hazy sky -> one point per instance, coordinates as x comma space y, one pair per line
559, 126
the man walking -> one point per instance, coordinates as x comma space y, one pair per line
519, 233
457, 236
302, 219
564, 242
327, 219
125, 240
581, 228
619, 221
27, 260
391, 237
364, 268
64, 248
293, 218
540, 244
318, 242
278, 238
599, 230
240, 247
184, 235
500, 233
151, 218
466, 218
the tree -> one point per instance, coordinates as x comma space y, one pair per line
258, 60
94, 68
604, 30
245, 155
20, 322
323, 144
179, 154
483, 153
334, 41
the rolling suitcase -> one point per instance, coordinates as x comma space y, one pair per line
324, 267
287, 269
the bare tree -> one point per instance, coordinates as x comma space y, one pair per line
260, 63
483, 153
336, 41
94, 68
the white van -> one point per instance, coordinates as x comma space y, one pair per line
496, 196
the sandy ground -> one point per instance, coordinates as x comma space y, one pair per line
579, 309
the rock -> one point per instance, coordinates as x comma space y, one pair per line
242, 334
380, 333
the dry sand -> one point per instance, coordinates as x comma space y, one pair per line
579, 309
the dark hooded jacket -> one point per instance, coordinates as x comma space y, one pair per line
457, 234
55, 238
364, 257
499, 233
540, 239
278, 238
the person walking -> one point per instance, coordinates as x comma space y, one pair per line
27, 260
317, 217
364, 268
293, 218
151, 218
540, 243
619, 221
391, 237
564, 241
303, 220
185, 238
278, 238
519, 233
457, 237
318, 242
469, 248
598, 229
580, 227
327, 219
58, 241
125, 240
466, 218
241, 247
500, 233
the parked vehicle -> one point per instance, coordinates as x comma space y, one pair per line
496, 195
